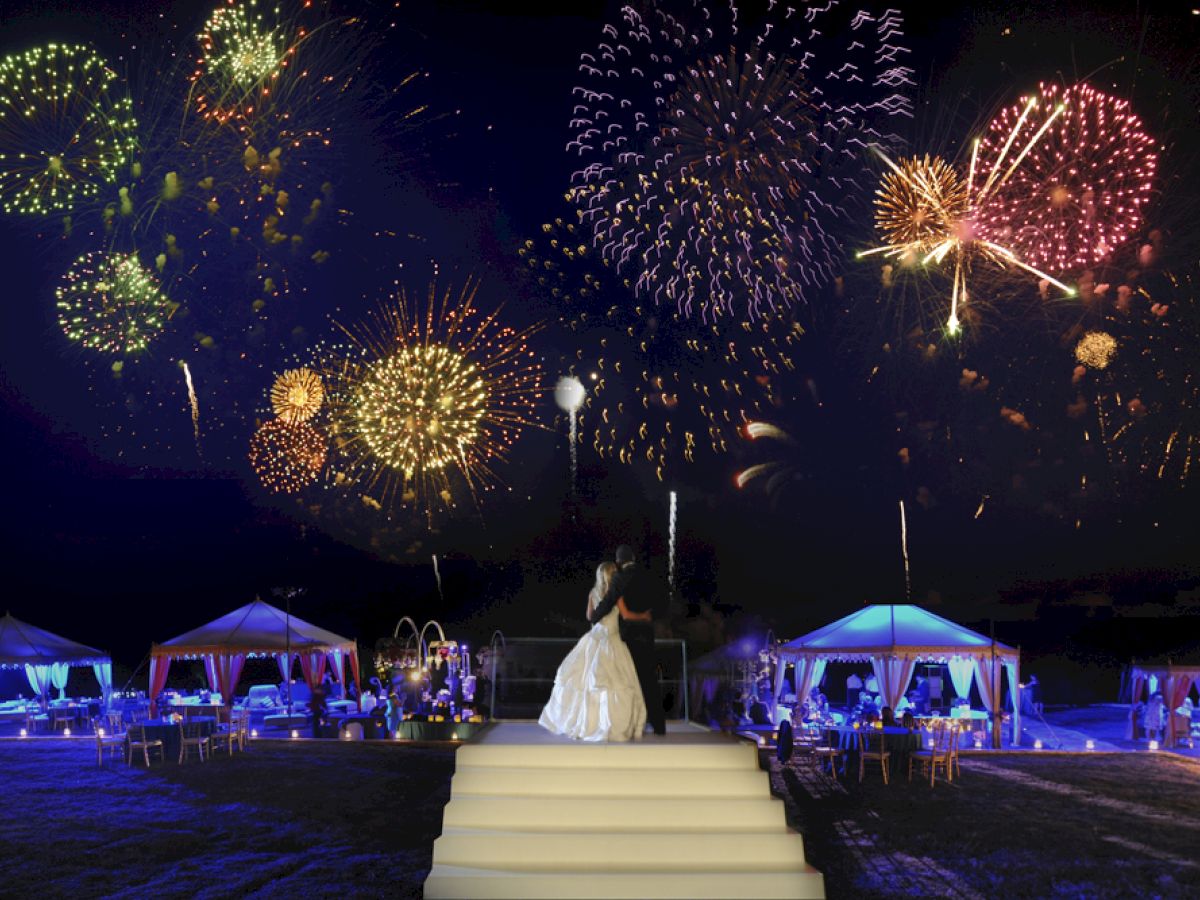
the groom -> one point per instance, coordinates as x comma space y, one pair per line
638, 636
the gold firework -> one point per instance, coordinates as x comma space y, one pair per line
297, 395
917, 205
428, 400
1096, 349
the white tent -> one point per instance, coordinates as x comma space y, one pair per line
894, 638
256, 629
47, 657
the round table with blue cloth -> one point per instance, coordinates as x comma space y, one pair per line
900, 742
168, 732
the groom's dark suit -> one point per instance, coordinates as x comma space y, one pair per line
638, 637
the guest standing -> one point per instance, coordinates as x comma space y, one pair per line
393, 713
854, 686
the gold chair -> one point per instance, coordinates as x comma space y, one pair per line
62, 716
828, 750
135, 739
106, 739
936, 756
114, 722
33, 718
226, 734
866, 754
191, 734
957, 732
241, 720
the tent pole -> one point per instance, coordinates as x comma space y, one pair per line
997, 712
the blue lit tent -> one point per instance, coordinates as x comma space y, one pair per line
894, 638
47, 657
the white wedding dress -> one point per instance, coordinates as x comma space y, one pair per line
596, 694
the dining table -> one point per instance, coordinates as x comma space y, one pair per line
168, 732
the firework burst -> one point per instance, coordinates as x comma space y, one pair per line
714, 155
287, 457
297, 395
110, 303
426, 401
1078, 189
1150, 407
66, 128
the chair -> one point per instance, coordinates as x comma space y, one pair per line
106, 739
866, 754
113, 721
191, 734
63, 716
958, 730
135, 739
33, 718
829, 750
226, 733
938, 755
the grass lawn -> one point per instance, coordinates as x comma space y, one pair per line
1012, 826
359, 820
297, 820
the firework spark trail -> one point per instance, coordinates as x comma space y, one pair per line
904, 552
671, 540
195, 404
438, 575
574, 414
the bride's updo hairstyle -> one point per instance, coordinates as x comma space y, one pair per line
604, 576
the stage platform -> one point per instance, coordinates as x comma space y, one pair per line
686, 815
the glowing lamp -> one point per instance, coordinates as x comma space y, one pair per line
1089, 744
978, 743
295, 734
762, 741
67, 733
1037, 744
454, 736
24, 733
1154, 745
396, 735
569, 393
253, 732
100, 731
931, 743
346, 735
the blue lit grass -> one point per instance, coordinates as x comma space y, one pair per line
287, 820
1101, 826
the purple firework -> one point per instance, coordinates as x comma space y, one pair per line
719, 146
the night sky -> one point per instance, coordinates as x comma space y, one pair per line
117, 532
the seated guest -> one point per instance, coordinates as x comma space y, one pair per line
887, 717
922, 701
758, 713
870, 717
907, 720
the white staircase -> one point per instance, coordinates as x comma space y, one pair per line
686, 816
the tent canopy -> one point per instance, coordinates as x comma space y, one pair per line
22, 644
900, 630
733, 652
257, 627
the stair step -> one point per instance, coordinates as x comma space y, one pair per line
618, 814
646, 754
558, 851
652, 782
467, 882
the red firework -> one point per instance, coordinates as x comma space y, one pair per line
1063, 182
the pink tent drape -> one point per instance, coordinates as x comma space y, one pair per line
336, 665
158, 680
353, 658
1176, 690
313, 667
228, 670
1135, 696
210, 669
893, 675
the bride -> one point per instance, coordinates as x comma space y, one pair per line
596, 695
